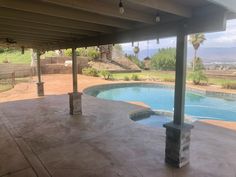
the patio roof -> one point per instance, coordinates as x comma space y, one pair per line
55, 24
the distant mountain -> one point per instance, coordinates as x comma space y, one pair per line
209, 55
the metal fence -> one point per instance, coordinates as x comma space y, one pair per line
9, 80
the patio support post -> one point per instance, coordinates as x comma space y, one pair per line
177, 132
75, 96
40, 84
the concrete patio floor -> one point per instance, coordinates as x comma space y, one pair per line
39, 138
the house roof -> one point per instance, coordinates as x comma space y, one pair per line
55, 24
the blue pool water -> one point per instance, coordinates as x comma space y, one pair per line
162, 98
156, 121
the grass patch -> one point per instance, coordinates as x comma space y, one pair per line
146, 75
229, 85
168, 76
5, 87
16, 57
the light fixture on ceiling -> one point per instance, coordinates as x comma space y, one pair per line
121, 8
157, 18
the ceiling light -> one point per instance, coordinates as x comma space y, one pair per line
121, 8
157, 18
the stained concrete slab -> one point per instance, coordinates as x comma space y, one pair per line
103, 142
22, 173
11, 158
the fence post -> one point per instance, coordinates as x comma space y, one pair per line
13, 79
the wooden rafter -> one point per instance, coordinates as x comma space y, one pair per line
62, 12
10, 14
106, 9
14, 24
165, 6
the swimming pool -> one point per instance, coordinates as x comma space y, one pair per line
158, 97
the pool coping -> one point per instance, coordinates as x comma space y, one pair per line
231, 96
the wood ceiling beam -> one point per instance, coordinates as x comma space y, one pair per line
210, 23
62, 12
21, 16
24, 30
24, 38
35, 26
10, 34
31, 41
168, 6
106, 9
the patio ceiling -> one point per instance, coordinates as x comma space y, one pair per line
55, 24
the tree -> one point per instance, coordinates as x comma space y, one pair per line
198, 75
196, 40
164, 59
91, 52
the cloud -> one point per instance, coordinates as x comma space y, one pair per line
223, 39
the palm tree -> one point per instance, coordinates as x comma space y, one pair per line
196, 40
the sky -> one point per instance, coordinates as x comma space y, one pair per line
224, 39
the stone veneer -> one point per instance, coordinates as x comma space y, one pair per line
177, 144
75, 103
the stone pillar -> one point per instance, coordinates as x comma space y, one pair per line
40, 84
75, 103
40, 88
177, 144
177, 132
75, 96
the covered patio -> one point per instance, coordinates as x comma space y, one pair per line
40, 137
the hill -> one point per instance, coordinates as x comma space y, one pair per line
209, 55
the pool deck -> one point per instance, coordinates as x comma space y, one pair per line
39, 138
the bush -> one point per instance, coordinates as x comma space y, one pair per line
198, 76
169, 80
126, 78
135, 77
198, 64
164, 59
229, 85
90, 72
106, 74
68, 52
1, 50
93, 53
5, 61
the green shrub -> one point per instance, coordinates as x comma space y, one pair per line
1, 50
126, 78
229, 85
197, 77
90, 72
135, 77
169, 80
106, 74
5, 61
164, 59
93, 53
